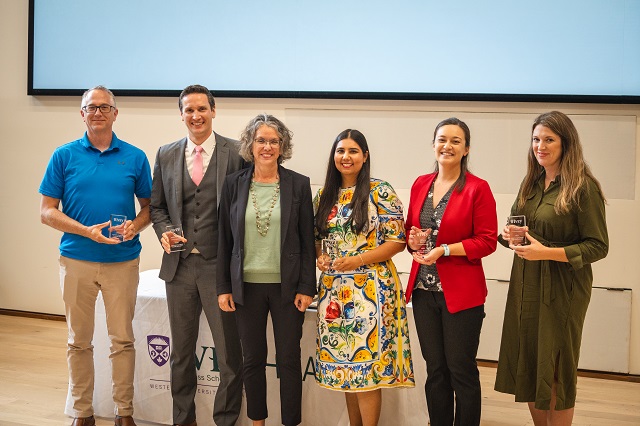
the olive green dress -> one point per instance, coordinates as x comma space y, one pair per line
547, 300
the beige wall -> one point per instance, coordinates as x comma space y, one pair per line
31, 128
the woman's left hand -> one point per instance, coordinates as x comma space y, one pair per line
302, 302
225, 301
532, 251
349, 263
428, 258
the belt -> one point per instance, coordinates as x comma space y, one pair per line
545, 267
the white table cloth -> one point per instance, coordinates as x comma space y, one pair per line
152, 401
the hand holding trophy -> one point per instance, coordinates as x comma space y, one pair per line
517, 229
329, 251
176, 237
422, 235
116, 226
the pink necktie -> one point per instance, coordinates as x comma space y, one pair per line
197, 173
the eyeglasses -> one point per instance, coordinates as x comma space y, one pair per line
91, 109
265, 142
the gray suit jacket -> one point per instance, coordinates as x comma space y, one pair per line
297, 242
166, 193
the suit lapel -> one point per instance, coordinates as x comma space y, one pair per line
244, 181
451, 210
222, 157
178, 162
286, 201
422, 196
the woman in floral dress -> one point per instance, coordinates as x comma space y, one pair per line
363, 339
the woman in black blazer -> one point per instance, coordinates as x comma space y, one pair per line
266, 262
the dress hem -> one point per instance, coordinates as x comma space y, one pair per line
380, 386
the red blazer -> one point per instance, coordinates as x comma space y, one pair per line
470, 218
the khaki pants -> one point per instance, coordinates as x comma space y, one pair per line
81, 281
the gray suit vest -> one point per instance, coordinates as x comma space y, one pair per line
200, 212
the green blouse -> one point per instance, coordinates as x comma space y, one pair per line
262, 253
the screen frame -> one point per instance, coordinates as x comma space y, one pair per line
408, 96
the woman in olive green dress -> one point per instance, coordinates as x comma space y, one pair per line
551, 276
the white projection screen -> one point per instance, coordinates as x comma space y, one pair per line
504, 50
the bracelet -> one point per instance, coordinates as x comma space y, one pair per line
361, 259
447, 252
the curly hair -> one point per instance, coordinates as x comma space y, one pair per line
249, 133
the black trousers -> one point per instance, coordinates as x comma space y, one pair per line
259, 301
449, 344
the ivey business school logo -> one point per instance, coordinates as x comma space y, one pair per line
158, 347
208, 377
159, 352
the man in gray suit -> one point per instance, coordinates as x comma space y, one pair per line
187, 180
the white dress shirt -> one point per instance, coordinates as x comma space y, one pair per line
207, 152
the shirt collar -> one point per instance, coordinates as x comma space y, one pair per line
115, 142
207, 146
541, 178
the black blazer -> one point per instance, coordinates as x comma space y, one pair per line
297, 245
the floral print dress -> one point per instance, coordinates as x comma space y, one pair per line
363, 334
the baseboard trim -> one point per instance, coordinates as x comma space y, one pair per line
28, 314
481, 362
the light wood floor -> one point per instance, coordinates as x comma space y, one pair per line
33, 384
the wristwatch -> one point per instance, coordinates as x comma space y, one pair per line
447, 252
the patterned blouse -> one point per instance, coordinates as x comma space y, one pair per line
428, 278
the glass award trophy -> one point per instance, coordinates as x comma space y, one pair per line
175, 231
330, 250
517, 230
422, 235
116, 226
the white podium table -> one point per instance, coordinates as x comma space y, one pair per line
152, 401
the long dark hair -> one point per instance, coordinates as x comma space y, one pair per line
464, 162
359, 219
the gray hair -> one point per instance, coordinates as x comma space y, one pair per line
85, 95
249, 134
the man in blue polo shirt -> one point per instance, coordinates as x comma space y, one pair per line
94, 177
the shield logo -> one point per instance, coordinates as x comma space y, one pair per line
158, 347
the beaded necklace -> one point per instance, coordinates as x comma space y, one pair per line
263, 223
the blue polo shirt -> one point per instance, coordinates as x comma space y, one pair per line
92, 185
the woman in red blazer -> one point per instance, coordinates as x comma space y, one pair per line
455, 212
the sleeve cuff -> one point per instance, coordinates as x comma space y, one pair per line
574, 255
